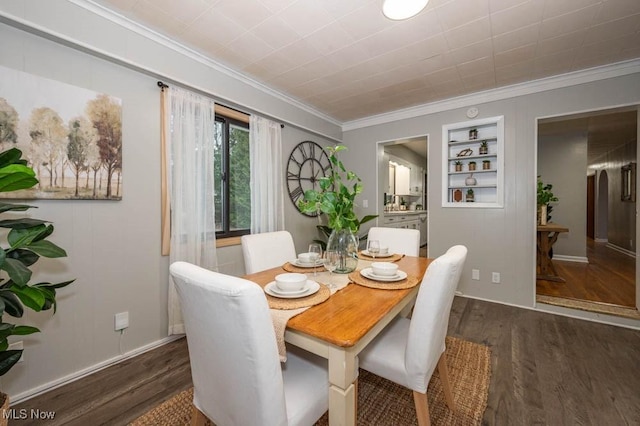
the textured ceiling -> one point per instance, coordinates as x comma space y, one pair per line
345, 59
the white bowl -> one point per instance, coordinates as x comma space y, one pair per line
291, 282
384, 250
307, 258
384, 269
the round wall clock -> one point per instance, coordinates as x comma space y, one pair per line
308, 162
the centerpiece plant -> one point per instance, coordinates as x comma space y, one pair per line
336, 200
26, 241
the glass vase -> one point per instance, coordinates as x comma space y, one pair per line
346, 243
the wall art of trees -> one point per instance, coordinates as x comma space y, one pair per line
75, 158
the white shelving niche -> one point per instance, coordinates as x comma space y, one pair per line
460, 145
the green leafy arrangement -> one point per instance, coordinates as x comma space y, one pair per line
27, 242
545, 196
336, 197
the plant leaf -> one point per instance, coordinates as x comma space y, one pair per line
23, 223
23, 330
10, 156
8, 359
5, 207
19, 237
27, 257
15, 177
19, 273
12, 305
31, 297
47, 249
49, 285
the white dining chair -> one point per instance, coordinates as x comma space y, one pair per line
267, 250
399, 240
408, 351
237, 375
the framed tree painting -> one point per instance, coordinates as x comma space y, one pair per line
70, 136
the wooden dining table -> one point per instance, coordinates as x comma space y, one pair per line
339, 328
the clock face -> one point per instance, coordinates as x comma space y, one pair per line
308, 162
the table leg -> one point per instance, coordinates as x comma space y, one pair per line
546, 268
343, 374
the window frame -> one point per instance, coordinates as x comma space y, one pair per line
227, 122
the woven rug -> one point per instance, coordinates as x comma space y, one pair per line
381, 402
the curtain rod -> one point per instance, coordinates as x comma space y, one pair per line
163, 86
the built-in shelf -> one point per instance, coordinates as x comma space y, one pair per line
462, 143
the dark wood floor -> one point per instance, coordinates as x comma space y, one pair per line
546, 370
609, 277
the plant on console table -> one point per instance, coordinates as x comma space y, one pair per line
27, 242
336, 199
544, 197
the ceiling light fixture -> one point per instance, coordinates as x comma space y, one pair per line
402, 9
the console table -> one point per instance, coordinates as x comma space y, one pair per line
547, 236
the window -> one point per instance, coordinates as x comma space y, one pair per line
232, 195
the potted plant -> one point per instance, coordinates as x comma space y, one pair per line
484, 148
486, 164
472, 165
544, 197
470, 195
458, 165
26, 243
336, 199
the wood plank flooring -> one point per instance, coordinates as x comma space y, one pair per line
546, 370
609, 277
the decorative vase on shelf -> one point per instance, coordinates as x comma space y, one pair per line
470, 181
346, 243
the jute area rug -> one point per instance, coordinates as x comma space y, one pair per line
381, 402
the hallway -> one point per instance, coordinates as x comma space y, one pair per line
609, 278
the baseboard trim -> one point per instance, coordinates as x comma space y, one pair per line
577, 259
601, 240
39, 390
621, 250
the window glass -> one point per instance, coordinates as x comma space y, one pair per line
239, 173
232, 196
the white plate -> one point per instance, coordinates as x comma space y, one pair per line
297, 263
368, 273
366, 253
312, 287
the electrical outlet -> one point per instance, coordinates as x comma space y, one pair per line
495, 277
16, 346
121, 321
475, 274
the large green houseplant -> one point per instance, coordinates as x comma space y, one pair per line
336, 199
25, 242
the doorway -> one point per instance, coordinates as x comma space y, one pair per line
402, 189
581, 156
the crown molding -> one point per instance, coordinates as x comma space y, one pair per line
150, 34
165, 41
512, 91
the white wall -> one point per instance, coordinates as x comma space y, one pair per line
114, 246
499, 240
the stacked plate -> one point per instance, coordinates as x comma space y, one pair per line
299, 264
311, 287
366, 253
368, 273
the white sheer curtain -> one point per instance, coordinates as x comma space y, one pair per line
191, 131
267, 182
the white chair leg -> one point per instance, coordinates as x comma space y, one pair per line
444, 379
422, 408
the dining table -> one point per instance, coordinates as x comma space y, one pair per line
345, 323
